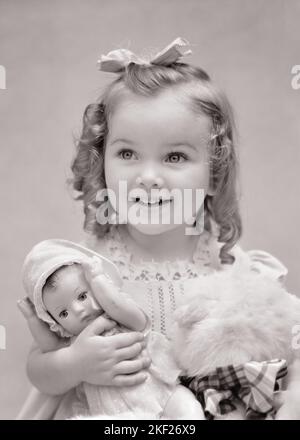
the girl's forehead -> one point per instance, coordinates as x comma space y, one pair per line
170, 112
166, 98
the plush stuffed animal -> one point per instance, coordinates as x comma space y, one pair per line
233, 337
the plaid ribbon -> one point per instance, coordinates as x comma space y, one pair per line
253, 383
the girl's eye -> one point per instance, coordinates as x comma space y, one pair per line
63, 314
176, 157
125, 154
82, 296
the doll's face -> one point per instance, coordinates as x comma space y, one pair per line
71, 302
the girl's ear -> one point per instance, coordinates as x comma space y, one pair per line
211, 191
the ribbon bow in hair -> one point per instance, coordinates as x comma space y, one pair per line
253, 383
117, 60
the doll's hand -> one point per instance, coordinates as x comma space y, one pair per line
110, 360
93, 267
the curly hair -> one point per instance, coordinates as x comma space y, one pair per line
203, 98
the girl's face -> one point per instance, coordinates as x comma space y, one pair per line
71, 302
157, 143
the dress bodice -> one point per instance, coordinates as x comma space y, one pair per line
159, 287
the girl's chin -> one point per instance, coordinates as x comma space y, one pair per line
153, 229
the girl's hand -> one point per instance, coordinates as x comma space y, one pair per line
43, 336
110, 360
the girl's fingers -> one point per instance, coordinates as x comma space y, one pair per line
130, 352
26, 307
129, 380
98, 326
126, 339
128, 367
41, 333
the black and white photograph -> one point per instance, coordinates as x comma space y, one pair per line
135, 286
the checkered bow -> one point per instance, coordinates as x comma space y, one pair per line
253, 383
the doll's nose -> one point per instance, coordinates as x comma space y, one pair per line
78, 308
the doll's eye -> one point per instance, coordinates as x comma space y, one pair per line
82, 296
63, 314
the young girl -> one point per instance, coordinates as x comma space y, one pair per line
161, 125
70, 289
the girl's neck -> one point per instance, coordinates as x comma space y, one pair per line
169, 246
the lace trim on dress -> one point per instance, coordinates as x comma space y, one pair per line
159, 271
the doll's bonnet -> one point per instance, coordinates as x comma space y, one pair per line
44, 259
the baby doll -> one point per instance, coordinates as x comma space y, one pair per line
69, 290
232, 335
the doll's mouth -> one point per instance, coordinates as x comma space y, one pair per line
91, 317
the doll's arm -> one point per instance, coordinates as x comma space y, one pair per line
117, 304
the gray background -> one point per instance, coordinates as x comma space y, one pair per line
50, 49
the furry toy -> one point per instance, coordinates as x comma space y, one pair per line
233, 337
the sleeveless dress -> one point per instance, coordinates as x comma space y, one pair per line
158, 289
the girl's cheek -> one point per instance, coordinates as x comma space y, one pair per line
115, 168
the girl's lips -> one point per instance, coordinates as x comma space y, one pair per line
152, 197
151, 204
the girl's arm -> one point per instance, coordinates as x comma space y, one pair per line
92, 358
53, 373
45, 339
117, 304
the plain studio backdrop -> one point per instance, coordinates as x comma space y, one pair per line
49, 50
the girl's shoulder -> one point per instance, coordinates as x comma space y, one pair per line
259, 261
256, 260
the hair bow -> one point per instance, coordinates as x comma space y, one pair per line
117, 60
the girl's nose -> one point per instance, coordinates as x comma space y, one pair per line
149, 178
